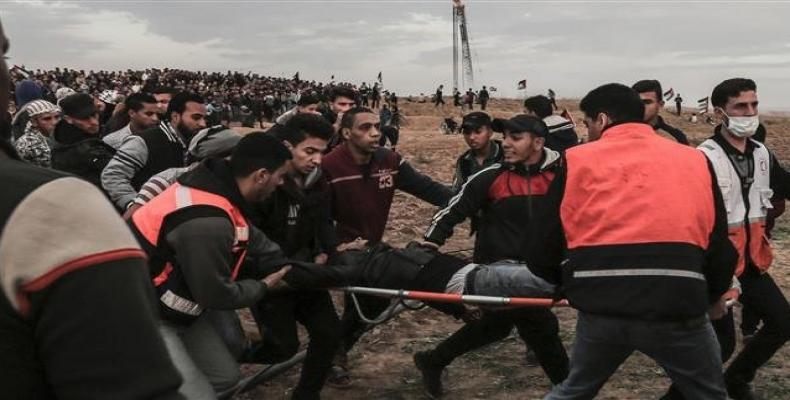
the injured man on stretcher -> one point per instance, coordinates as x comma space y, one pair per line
422, 268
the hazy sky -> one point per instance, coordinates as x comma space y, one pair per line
570, 46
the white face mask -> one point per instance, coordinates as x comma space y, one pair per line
742, 127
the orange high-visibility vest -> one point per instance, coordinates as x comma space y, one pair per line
148, 223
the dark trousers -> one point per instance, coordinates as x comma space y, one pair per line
766, 301
686, 350
278, 316
537, 327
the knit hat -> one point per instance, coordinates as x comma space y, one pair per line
78, 105
216, 141
37, 107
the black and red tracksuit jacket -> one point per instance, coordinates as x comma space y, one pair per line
505, 196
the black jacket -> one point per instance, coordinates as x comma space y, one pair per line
298, 219
79, 153
506, 197
674, 132
640, 296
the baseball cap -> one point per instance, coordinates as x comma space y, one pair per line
475, 120
78, 105
521, 123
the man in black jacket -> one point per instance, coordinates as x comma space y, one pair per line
297, 218
78, 148
652, 97
197, 235
143, 155
504, 196
77, 319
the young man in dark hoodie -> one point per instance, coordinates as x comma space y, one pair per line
504, 197
483, 150
197, 234
296, 217
144, 154
362, 180
78, 148
653, 98
54, 345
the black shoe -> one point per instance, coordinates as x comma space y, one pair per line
431, 376
741, 391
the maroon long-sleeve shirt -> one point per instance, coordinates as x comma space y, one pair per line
361, 195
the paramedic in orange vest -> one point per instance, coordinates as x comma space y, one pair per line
748, 175
639, 242
197, 235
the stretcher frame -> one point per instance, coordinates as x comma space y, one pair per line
402, 300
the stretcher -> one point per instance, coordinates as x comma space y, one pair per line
402, 300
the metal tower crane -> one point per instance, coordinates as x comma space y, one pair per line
461, 48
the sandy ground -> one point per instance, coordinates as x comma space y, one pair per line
382, 364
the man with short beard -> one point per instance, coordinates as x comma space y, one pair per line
141, 112
198, 234
34, 145
143, 155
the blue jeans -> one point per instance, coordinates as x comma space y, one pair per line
508, 279
687, 350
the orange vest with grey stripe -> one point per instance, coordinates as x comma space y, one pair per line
745, 216
637, 212
150, 224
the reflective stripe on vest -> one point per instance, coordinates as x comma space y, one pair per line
149, 220
739, 219
638, 272
625, 189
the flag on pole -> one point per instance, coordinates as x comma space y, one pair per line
702, 105
522, 84
669, 94
379, 77
567, 115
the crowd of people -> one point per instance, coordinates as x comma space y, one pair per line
134, 226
